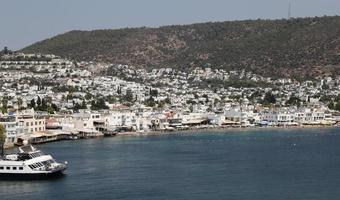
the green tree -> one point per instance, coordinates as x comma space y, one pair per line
337, 107
167, 100
161, 104
325, 98
3, 110
4, 102
209, 109
153, 93
93, 105
331, 105
150, 102
98, 104
20, 102
55, 107
43, 106
50, 110
38, 102
83, 105
293, 101
111, 99
101, 104
88, 96
6, 51
128, 96
2, 138
76, 106
191, 108
269, 98
119, 90
32, 104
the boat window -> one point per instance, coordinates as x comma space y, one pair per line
14, 168
31, 166
8, 168
21, 168
1, 168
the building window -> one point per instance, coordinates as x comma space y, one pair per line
36, 123
27, 124
36, 129
31, 123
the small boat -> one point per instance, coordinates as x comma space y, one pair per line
30, 164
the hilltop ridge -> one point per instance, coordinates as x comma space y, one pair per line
295, 48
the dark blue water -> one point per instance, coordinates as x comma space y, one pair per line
255, 165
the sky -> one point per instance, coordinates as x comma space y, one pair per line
23, 22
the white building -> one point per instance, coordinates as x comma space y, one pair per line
121, 119
31, 121
279, 118
13, 129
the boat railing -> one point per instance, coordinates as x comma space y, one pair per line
49, 167
44, 168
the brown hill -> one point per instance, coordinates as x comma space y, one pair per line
299, 48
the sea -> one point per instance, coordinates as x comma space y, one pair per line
254, 164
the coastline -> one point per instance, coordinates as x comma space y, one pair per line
192, 130
219, 129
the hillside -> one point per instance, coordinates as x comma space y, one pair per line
303, 47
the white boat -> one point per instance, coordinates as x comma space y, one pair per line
30, 163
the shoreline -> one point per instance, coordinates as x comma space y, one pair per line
192, 130
218, 129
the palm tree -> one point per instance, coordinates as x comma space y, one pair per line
2, 138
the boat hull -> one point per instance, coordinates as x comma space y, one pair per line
30, 176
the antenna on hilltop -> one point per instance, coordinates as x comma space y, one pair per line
290, 10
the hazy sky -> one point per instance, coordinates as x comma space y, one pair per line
23, 22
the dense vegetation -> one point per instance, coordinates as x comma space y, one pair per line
302, 47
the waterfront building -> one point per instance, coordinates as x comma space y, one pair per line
279, 118
13, 129
32, 121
